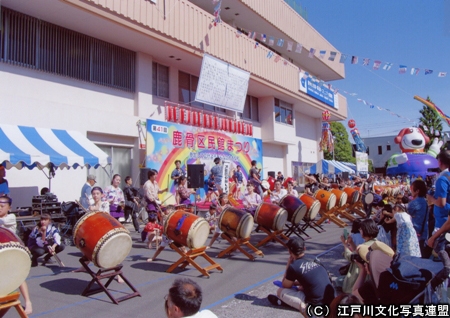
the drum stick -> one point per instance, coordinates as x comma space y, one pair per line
58, 260
82, 207
171, 195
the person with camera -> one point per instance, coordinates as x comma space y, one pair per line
441, 201
369, 231
131, 202
44, 239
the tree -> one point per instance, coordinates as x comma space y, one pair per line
342, 146
430, 122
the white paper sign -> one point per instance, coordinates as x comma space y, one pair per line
362, 162
222, 84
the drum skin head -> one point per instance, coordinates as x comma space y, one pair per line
113, 250
15, 264
299, 214
280, 220
245, 226
313, 211
198, 234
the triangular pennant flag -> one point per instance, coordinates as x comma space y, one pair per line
402, 69
322, 53
428, 72
256, 44
263, 38
376, 64
354, 59
277, 58
269, 54
387, 66
343, 58
238, 33
359, 99
290, 44
442, 74
280, 42
285, 62
298, 48
311, 53
332, 56
366, 61
372, 106
336, 91
271, 40
415, 71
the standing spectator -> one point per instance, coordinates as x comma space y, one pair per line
217, 172
280, 177
86, 197
254, 178
310, 280
418, 210
175, 176
441, 202
44, 239
131, 195
238, 178
4, 188
8, 221
114, 195
185, 299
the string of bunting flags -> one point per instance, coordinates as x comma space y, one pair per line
183, 114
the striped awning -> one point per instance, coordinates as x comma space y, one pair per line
329, 167
32, 147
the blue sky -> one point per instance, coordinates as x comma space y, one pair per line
408, 32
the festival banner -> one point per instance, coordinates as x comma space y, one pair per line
167, 142
362, 162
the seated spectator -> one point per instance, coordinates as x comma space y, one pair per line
369, 231
309, 279
44, 239
184, 300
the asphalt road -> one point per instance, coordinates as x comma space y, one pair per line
240, 291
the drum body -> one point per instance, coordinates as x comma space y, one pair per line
352, 195
295, 207
341, 197
187, 229
190, 208
271, 216
326, 198
312, 205
368, 198
15, 261
102, 239
236, 223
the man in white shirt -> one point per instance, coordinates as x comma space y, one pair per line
278, 193
152, 190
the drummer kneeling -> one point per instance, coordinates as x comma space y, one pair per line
44, 239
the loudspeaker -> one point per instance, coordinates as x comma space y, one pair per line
272, 174
143, 176
196, 176
345, 175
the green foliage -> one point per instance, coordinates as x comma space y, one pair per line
431, 119
342, 146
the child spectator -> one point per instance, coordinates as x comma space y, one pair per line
153, 230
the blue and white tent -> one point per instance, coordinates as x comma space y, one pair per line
31, 147
351, 165
329, 167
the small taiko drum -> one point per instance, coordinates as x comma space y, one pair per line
295, 207
368, 198
271, 216
312, 205
326, 198
187, 229
236, 223
341, 197
15, 261
352, 195
102, 239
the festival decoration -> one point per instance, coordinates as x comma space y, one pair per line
413, 159
360, 146
435, 108
326, 142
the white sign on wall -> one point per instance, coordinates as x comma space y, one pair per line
222, 84
362, 162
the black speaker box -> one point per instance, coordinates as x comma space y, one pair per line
272, 174
345, 175
196, 176
143, 177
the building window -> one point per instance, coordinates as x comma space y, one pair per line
380, 150
388, 148
29, 42
160, 81
187, 87
251, 111
283, 112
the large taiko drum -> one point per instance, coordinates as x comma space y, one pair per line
352, 195
186, 229
102, 239
295, 207
326, 198
341, 197
15, 261
271, 216
236, 223
312, 205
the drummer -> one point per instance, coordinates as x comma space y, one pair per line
8, 221
114, 195
312, 184
214, 215
277, 193
325, 184
251, 199
290, 188
183, 191
254, 178
152, 190
99, 205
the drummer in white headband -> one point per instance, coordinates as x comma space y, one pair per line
8, 221
277, 193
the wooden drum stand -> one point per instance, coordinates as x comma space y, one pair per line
276, 235
104, 273
237, 245
11, 300
189, 258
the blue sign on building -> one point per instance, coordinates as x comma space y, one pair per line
317, 90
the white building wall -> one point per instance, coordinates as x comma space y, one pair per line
274, 158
